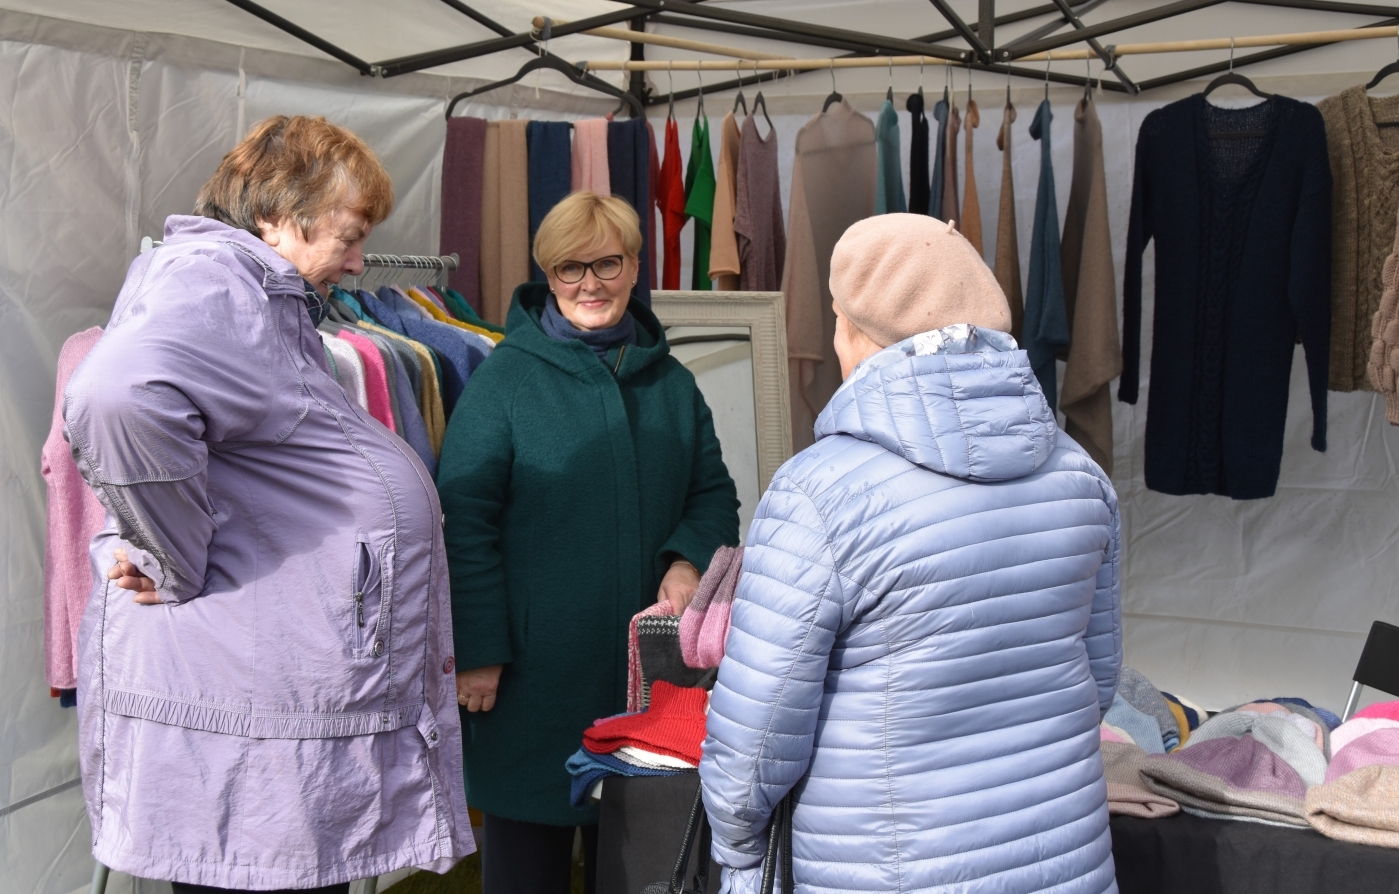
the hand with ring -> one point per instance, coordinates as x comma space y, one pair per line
476, 688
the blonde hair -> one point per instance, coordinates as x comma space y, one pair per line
299, 167
582, 223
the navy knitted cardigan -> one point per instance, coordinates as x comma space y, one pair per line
1243, 268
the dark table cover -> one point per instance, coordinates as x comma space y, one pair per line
641, 827
1186, 854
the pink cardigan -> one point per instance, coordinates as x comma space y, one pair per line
74, 517
376, 379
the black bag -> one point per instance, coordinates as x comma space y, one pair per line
779, 848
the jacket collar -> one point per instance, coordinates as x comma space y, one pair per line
524, 332
276, 273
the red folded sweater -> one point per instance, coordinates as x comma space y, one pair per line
672, 725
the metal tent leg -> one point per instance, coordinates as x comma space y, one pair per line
1352, 701
99, 879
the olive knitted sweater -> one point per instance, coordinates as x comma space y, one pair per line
1365, 175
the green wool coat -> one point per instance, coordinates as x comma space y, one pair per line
568, 486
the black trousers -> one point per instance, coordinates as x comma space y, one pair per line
182, 888
532, 858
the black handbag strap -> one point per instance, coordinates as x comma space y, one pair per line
779, 848
697, 829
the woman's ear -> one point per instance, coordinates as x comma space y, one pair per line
269, 232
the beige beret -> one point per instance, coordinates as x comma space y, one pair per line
896, 275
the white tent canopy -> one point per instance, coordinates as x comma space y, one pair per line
117, 110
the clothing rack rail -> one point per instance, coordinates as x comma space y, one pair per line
443, 264
1175, 46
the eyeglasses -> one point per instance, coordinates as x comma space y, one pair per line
604, 269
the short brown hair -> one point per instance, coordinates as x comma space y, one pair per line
300, 167
582, 222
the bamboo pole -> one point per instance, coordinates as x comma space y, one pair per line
1222, 43
762, 64
661, 40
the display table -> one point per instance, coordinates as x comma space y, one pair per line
1186, 854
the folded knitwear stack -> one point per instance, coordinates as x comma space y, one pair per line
1359, 799
704, 627
663, 740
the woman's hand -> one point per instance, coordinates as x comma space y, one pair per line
679, 585
129, 577
476, 687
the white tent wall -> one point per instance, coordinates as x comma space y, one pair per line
104, 132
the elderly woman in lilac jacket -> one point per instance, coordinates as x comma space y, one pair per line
927, 628
266, 677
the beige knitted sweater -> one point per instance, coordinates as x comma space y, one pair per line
1365, 197
1384, 353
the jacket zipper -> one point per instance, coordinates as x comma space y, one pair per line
359, 608
621, 352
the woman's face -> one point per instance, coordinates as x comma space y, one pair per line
334, 248
593, 302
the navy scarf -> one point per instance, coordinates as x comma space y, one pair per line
557, 327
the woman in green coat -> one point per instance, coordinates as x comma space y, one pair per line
581, 480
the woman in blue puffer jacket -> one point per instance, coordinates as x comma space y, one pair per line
928, 626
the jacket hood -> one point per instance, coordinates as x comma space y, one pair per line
278, 275
960, 401
524, 332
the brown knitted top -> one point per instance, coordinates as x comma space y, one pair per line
1365, 197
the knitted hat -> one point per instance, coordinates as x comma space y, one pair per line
1277, 732
1382, 710
673, 725
1380, 747
1127, 791
1145, 697
1355, 728
1140, 727
896, 275
1362, 806
1231, 779
1327, 717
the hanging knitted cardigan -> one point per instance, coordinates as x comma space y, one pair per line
1243, 267
1365, 174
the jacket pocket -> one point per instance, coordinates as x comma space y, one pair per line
368, 594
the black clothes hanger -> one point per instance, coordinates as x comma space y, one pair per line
575, 73
889, 97
760, 103
1239, 80
739, 101
1380, 75
835, 96
1231, 78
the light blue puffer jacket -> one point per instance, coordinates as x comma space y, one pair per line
925, 635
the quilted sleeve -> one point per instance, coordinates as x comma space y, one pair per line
1104, 636
762, 719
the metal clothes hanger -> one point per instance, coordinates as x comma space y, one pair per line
889, 97
1231, 78
920, 77
946, 84
1380, 75
758, 101
835, 96
699, 104
670, 80
576, 73
739, 101
1047, 61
